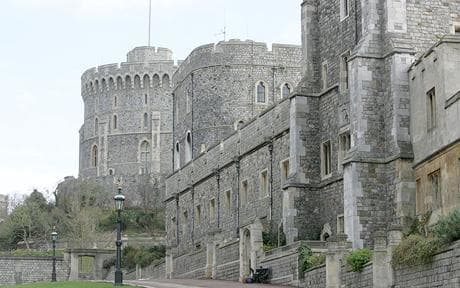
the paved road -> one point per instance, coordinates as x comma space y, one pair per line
186, 283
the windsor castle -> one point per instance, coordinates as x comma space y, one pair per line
349, 136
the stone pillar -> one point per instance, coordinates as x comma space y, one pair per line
169, 264
73, 266
211, 260
257, 249
290, 213
381, 262
334, 258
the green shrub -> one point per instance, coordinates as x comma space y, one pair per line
447, 230
304, 255
317, 260
108, 263
357, 259
141, 256
415, 250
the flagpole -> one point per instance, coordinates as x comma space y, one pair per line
150, 18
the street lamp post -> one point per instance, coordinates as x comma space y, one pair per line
119, 199
54, 236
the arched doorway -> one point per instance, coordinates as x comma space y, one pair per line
245, 254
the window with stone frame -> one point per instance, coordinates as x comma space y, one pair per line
228, 200
419, 198
96, 125
285, 90
344, 147
434, 180
115, 101
188, 147
326, 159
244, 191
324, 75
261, 92
198, 214
177, 156
145, 120
146, 99
94, 156
457, 28
284, 171
212, 210
184, 221
340, 224
344, 9
431, 109
344, 71
115, 122
263, 184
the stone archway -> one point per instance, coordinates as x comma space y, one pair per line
251, 248
245, 253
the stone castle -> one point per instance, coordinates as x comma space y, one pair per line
353, 134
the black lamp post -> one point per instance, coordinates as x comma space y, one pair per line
119, 199
54, 236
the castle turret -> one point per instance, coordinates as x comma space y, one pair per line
127, 123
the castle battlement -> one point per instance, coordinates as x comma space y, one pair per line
238, 52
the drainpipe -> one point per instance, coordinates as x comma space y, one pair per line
217, 174
270, 150
192, 191
177, 220
191, 111
237, 165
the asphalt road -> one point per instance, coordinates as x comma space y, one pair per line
187, 283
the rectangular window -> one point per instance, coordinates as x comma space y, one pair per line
340, 224
184, 222
326, 159
435, 182
198, 214
344, 9
228, 200
431, 109
212, 209
419, 198
344, 71
284, 171
324, 72
263, 181
457, 29
344, 146
244, 189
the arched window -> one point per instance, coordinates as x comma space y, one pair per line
119, 83
111, 84
261, 92
146, 120
96, 125
115, 122
177, 154
156, 80
285, 91
146, 81
188, 147
104, 85
96, 86
128, 84
94, 156
91, 86
145, 152
137, 82
166, 81
111, 172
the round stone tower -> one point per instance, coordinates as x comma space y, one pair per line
127, 120
220, 87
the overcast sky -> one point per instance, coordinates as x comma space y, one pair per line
47, 44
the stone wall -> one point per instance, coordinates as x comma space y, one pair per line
363, 279
228, 261
315, 277
284, 263
191, 266
17, 270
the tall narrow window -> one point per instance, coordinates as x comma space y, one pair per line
184, 222
285, 91
419, 198
94, 156
212, 209
96, 125
340, 224
344, 146
431, 109
344, 71
261, 92
264, 186
177, 154
326, 158
228, 200
146, 100
435, 181
344, 9
188, 147
146, 120
244, 190
115, 122
198, 213
145, 152
284, 171
324, 72
457, 29
115, 101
